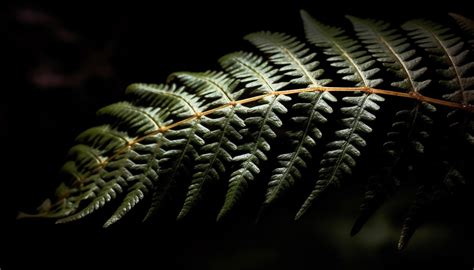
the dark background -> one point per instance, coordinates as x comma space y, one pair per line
62, 62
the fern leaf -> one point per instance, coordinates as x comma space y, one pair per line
411, 127
393, 50
216, 86
260, 122
120, 172
220, 141
448, 50
292, 55
145, 174
108, 191
179, 149
295, 60
135, 194
137, 165
203, 127
357, 66
340, 158
183, 144
103, 138
113, 177
214, 156
187, 105
407, 132
253, 71
102, 141
466, 24
178, 143
177, 102
344, 53
309, 115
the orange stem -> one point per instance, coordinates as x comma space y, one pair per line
410, 95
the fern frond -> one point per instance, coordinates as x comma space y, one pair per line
340, 157
221, 140
179, 149
145, 174
92, 146
253, 71
216, 127
134, 167
466, 24
117, 172
293, 57
213, 85
456, 70
344, 53
393, 50
179, 144
108, 191
309, 114
449, 49
353, 61
178, 101
184, 143
260, 122
294, 60
408, 130
103, 138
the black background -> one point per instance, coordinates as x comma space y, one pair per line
64, 61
